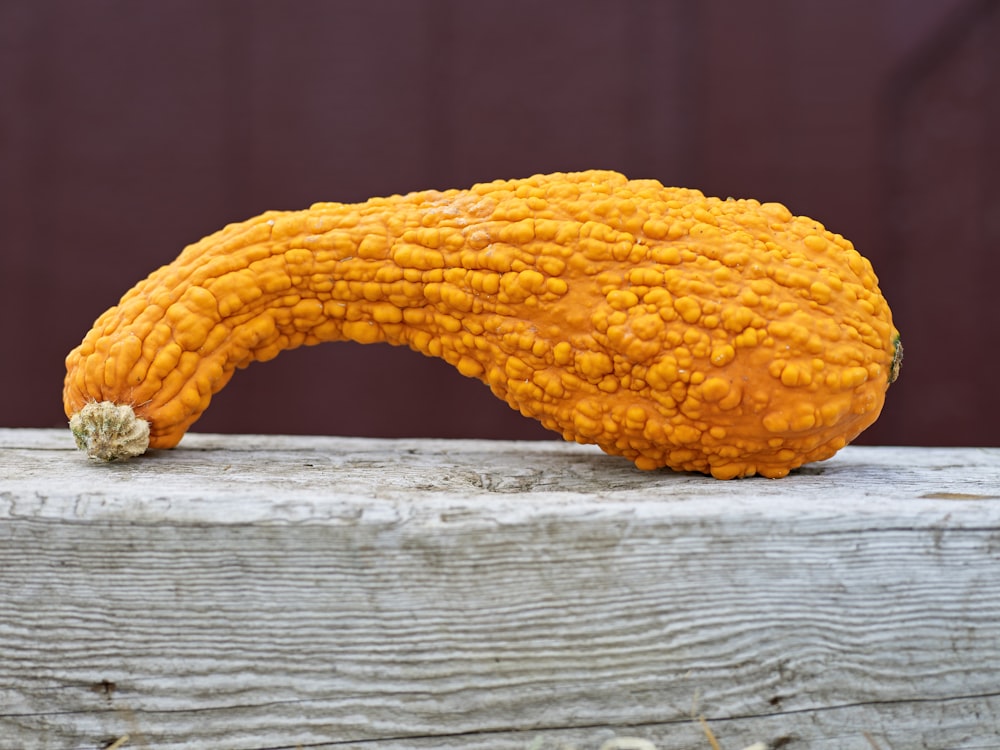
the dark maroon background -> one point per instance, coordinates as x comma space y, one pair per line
130, 129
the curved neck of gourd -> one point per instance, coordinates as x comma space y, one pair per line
367, 276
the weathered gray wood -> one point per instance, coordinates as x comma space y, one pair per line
247, 592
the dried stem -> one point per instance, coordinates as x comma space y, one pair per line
109, 431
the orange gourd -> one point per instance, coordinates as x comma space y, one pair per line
721, 336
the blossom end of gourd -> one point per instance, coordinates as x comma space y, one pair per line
109, 432
897, 360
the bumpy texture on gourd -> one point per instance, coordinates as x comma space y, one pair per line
721, 336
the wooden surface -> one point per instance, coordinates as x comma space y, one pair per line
273, 592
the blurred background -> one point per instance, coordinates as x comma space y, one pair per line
130, 129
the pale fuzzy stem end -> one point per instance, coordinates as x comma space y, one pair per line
109, 432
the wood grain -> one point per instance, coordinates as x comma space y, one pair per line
246, 592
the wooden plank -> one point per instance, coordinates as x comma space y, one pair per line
273, 592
